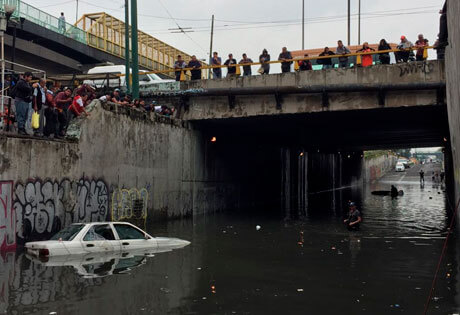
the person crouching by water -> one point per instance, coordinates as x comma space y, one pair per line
354, 218
394, 192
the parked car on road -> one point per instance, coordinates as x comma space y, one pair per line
108, 237
400, 167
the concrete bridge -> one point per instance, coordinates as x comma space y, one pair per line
386, 106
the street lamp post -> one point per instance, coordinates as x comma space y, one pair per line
134, 50
359, 22
349, 22
303, 24
9, 10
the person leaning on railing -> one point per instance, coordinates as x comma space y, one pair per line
216, 61
246, 69
305, 65
342, 50
366, 60
384, 57
285, 55
231, 69
421, 43
327, 62
404, 53
196, 65
264, 60
179, 65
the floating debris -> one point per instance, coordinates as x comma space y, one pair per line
258, 227
165, 290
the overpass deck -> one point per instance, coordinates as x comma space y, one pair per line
377, 87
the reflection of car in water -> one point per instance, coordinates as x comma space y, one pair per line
400, 167
96, 265
101, 237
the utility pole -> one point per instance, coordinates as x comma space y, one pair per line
76, 13
349, 22
210, 46
127, 70
303, 24
359, 22
134, 49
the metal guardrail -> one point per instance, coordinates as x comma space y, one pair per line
37, 16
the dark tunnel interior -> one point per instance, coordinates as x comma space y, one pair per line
286, 165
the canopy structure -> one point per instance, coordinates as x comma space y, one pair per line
107, 33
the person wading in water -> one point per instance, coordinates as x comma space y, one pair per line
354, 218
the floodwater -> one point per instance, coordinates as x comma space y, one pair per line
233, 268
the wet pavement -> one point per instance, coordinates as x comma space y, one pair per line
310, 266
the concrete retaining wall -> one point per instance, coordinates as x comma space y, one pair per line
124, 164
375, 168
453, 90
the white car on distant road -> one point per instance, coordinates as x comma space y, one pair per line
400, 167
101, 237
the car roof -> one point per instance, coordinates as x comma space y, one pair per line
99, 223
109, 69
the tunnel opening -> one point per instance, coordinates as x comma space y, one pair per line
290, 165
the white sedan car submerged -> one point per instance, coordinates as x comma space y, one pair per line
84, 238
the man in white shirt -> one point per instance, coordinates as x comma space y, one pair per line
61, 23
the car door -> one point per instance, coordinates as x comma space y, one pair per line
100, 238
132, 238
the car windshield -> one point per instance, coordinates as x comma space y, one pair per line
155, 77
68, 233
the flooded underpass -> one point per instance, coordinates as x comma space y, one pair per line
258, 263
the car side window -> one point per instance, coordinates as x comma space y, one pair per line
126, 232
99, 233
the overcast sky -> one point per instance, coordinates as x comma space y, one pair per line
247, 25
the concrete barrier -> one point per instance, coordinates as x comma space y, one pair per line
136, 164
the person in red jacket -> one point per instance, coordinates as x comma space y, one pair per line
78, 106
305, 65
366, 60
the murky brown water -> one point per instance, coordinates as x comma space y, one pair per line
232, 268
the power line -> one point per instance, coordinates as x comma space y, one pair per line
312, 20
256, 26
180, 28
145, 15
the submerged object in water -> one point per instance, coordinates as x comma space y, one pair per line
386, 193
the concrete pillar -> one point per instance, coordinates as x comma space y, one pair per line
302, 184
333, 186
340, 183
286, 181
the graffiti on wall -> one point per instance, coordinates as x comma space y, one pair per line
413, 68
129, 204
44, 207
7, 217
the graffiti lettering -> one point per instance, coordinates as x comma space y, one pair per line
412, 68
129, 204
7, 217
43, 208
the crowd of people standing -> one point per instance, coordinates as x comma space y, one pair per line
404, 53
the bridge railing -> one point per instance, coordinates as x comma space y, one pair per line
37, 16
356, 61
